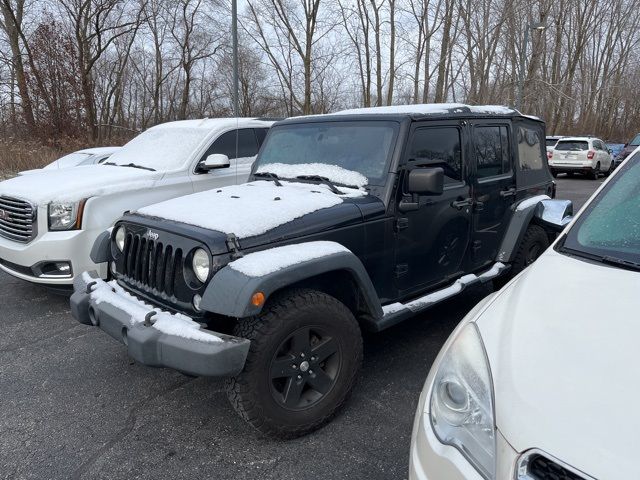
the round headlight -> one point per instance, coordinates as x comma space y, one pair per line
120, 234
201, 265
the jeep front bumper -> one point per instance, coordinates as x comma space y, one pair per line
129, 321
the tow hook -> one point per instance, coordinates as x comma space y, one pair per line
147, 318
89, 286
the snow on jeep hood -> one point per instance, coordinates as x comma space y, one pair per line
334, 173
72, 184
250, 209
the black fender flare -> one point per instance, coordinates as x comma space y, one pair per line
230, 291
551, 214
101, 249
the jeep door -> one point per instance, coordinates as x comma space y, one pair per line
241, 147
432, 237
493, 187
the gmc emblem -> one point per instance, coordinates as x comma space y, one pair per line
4, 215
152, 235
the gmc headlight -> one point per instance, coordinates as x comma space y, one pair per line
201, 264
65, 215
461, 407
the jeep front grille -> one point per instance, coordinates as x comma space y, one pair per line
17, 219
151, 266
537, 465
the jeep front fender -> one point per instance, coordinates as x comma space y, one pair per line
229, 292
101, 250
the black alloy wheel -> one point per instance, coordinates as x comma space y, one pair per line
305, 368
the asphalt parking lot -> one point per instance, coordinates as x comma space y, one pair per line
72, 405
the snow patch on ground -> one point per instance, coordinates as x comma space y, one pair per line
431, 108
250, 209
530, 202
175, 324
334, 173
73, 184
268, 261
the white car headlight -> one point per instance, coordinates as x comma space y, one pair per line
65, 215
119, 238
461, 406
201, 264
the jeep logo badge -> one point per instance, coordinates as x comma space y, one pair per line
4, 215
152, 235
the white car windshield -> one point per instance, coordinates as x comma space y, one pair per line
609, 229
71, 160
160, 149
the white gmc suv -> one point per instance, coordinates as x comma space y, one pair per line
50, 219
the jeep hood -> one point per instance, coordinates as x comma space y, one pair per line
562, 342
261, 212
73, 184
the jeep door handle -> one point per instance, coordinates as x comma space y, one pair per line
509, 192
460, 204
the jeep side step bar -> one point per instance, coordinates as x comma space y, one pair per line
395, 313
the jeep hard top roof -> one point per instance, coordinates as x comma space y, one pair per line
430, 110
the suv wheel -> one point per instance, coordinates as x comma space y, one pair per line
306, 348
534, 242
612, 167
595, 172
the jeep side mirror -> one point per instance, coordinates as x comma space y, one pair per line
426, 181
213, 161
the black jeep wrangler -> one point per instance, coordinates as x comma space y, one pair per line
350, 221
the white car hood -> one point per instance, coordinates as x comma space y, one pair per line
76, 183
563, 345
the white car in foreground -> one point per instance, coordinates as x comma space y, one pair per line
49, 219
586, 155
532, 383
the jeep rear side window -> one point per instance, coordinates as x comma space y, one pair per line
492, 150
438, 147
530, 153
226, 144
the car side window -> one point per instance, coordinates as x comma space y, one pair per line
491, 145
530, 152
226, 144
596, 145
438, 147
261, 134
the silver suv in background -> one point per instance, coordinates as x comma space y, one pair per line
587, 155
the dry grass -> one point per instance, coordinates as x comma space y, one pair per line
18, 154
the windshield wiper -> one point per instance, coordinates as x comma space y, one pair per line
606, 259
619, 262
269, 176
321, 179
132, 165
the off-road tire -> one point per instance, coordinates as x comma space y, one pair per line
250, 392
534, 242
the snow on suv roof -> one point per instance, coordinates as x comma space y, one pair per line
577, 139
431, 108
210, 123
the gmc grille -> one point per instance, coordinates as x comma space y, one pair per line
17, 219
535, 466
151, 265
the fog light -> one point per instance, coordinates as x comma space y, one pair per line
196, 302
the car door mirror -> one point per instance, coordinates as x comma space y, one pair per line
214, 161
426, 181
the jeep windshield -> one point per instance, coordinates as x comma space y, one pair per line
346, 153
609, 229
162, 149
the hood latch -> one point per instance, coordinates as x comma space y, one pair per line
233, 245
